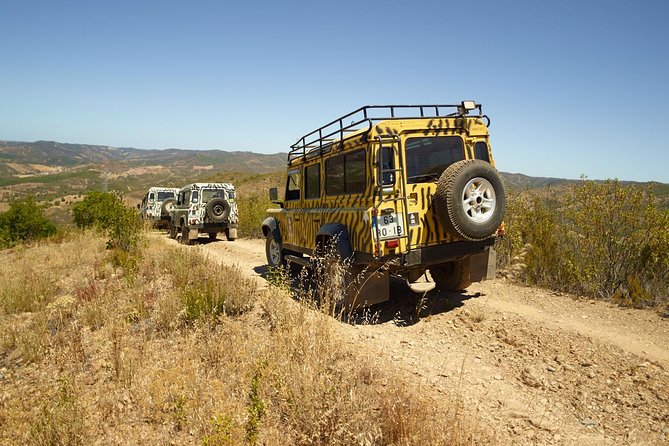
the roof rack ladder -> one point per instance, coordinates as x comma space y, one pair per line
394, 142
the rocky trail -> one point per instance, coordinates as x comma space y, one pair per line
536, 367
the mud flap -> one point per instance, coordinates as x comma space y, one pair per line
369, 288
483, 266
193, 234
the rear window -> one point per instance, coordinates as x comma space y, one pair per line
208, 194
162, 196
427, 158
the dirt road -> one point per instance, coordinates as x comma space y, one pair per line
537, 367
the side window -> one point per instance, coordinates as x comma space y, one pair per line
186, 197
293, 185
334, 175
345, 174
152, 197
354, 165
312, 183
195, 196
481, 151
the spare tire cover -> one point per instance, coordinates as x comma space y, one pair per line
167, 207
470, 199
218, 210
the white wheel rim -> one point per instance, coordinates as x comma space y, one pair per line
479, 200
274, 252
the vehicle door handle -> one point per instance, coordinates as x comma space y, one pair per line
317, 220
297, 219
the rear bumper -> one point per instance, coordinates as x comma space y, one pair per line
428, 255
432, 255
212, 227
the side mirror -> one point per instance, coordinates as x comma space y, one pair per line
139, 206
273, 194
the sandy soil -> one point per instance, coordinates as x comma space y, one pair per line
537, 367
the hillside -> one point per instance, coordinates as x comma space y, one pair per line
18, 158
61, 173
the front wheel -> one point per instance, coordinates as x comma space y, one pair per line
274, 252
212, 236
452, 276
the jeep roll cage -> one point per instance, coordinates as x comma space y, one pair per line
363, 119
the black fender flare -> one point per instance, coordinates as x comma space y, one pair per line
271, 226
338, 232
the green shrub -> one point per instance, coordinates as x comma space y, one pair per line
107, 212
24, 221
252, 212
598, 239
207, 288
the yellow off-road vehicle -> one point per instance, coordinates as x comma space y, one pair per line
396, 189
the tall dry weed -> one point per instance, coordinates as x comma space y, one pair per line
253, 366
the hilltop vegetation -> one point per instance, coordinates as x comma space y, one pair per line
604, 240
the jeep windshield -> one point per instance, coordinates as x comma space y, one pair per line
162, 196
208, 194
428, 157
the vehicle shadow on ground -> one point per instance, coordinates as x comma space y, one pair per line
407, 307
202, 240
404, 308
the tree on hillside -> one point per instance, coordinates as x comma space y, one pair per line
24, 221
106, 212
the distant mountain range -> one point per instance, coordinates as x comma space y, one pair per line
56, 154
25, 167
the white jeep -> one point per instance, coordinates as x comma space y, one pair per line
157, 204
204, 208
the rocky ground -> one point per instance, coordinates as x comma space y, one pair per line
537, 367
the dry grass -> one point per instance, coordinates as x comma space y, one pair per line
180, 350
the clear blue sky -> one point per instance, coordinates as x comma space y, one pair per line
572, 87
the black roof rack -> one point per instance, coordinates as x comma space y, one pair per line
339, 129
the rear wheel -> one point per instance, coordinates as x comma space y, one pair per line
212, 236
184, 235
173, 230
231, 234
452, 276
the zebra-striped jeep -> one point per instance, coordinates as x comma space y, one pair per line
157, 205
397, 190
204, 208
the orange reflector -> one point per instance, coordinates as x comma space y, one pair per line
501, 230
390, 244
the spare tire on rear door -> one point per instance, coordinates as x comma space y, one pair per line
167, 207
218, 210
470, 199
